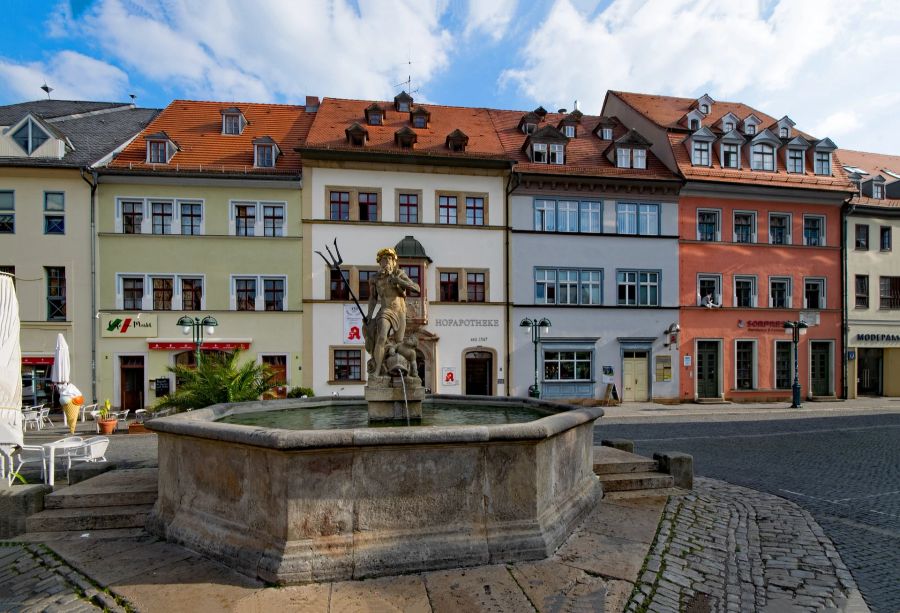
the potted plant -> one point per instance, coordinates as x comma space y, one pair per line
106, 423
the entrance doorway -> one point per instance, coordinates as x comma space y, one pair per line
820, 368
869, 366
707, 369
634, 377
479, 371
131, 378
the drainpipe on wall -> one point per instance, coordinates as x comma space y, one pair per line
846, 210
512, 182
93, 183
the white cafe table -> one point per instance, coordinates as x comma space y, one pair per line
50, 455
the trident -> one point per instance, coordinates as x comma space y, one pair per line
334, 263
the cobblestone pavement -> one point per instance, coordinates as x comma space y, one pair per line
726, 548
33, 579
845, 471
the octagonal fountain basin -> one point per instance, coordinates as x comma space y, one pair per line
339, 500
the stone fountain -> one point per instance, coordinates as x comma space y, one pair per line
333, 503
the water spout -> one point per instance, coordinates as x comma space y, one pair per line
405, 401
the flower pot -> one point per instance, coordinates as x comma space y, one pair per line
107, 425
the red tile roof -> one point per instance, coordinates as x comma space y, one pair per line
667, 112
585, 154
336, 115
196, 127
875, 164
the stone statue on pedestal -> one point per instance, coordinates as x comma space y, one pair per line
386, 330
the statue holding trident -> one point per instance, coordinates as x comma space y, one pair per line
387, 288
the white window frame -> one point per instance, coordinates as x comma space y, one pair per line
258, 222
753, 226
150, 147
623, 157
120, 290
177, 296
147, 298
148, 294
877, 191
148, 207
639, 158
755, 363
259, 303
547, 208
717, 277
537, 148
146, 222
569, 130
788, 160
606, 133
32, 126
818, 160
821, 218
176, 226
257, 157
823, 302
789, 292
226, 117
718, 213
754, 291
557, 154
700, 153
789, 238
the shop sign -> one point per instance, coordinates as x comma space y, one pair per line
762, 325
467, 323
207, 346
879, 337
448, 375
353, 324
37, 360
128, 326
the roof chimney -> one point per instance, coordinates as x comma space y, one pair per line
576, 105
312, 104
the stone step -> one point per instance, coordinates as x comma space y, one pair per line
661, 492
89, 518
635, 481
608, 460
130, 487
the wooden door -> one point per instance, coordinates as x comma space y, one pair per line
131, 377
278, 364
707, 369
869, 365
634, 377
820, 371
479, 370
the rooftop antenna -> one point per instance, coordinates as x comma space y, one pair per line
47, 89
133, 98
407, 85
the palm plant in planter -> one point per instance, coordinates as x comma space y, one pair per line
218, 378
106, 423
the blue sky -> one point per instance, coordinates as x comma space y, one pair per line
825, 63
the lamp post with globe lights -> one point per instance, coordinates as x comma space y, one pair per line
538, 328
197, 326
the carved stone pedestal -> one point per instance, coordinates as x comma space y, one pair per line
384, 395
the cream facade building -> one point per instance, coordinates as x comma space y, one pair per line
211, 228
47, 148
873, 275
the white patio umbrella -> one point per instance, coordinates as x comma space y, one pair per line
10, 366
62, 366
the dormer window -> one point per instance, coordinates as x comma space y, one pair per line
784, 132
405, 138
557, 154
639, 158
763, 157
420, 117
356, 135
156, 152
695, 124
623, 157
233, 121
750, 123
877, 191
704, 108
374, 115
823, 163
795, 160
30, 136
569, 130
700, 155
730, 155
265, 152
457, 141
539, 153
403, 102
529, 128
729, 126
750, 129
606, 133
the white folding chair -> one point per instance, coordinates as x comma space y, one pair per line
44, 416
93, 449
140, 415
18, 456
31, 418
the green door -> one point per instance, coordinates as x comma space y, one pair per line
820, 368
708, 369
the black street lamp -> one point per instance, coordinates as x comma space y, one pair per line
197, 325
796, 328
538, 328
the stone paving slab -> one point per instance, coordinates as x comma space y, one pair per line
312, 598
551, 585
483, 588
384, 595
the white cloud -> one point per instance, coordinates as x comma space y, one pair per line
275, 50
822, 62
490, 18
72, 76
